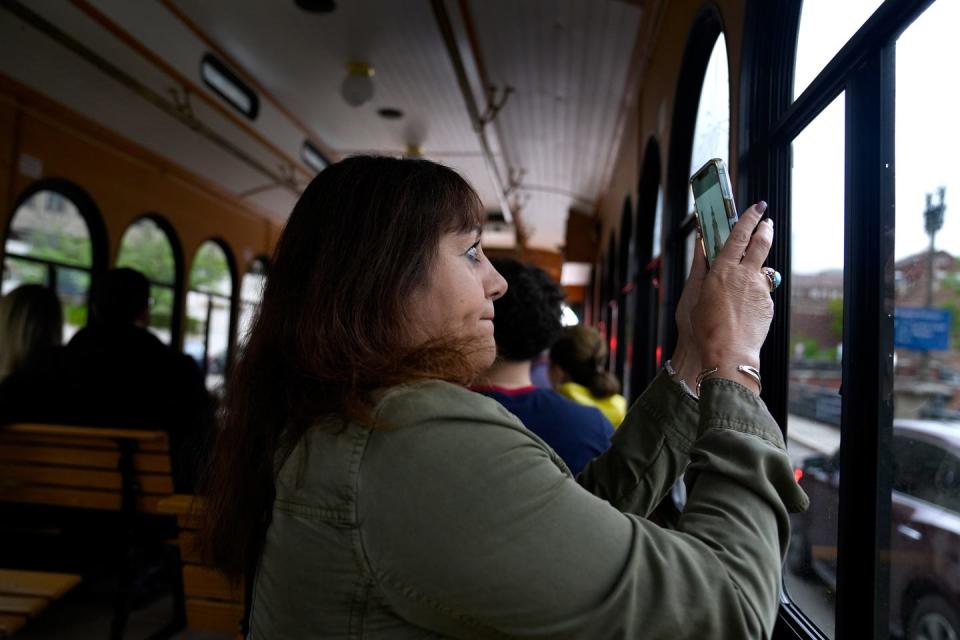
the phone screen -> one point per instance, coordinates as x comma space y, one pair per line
709, 190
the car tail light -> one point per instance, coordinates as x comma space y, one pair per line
798, 473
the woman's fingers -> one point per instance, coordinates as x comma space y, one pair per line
759, 246
741, 234
698, 270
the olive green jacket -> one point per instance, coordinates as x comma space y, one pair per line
459, 522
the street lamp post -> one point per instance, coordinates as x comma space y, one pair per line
933, 222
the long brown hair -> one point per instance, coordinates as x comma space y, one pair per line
580, 352
330, 330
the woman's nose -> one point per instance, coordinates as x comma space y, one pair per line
496, 286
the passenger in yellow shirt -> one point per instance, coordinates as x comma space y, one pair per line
577, 372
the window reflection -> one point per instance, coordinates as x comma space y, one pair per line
711, 134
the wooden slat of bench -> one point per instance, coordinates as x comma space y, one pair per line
94, 458
75, 441
209, 615
140, 435
36, 583
204, 582
20, 474
22, 605
76, 498
10, 624
189, 547
187, 508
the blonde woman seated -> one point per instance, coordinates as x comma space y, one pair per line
577, 372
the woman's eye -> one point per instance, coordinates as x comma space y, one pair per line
473, 253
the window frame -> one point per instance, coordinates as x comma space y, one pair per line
647, 294
96, 230
232, 306
769, 121
626, 251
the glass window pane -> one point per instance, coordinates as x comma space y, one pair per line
925, 514
207, 335
251, 287
146, 248
73, 287
251, 291
825, 26
816, 327
17, 272
210, 272
161, 312
49, 226
711, 134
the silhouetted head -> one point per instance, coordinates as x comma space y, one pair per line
122, 297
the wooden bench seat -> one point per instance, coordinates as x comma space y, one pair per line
212, 603
83, 467
120, 470
24, 594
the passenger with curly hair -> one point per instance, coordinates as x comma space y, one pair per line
526, 322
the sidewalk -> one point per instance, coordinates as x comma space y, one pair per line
822, 438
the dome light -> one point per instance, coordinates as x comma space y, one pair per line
357, 87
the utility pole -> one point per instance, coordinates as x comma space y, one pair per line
933, 221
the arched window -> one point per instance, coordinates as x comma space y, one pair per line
700, 130
49, 242
251, 292
148, 246
207, 338
711, 134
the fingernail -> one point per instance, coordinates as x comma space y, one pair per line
770, 220
761, 206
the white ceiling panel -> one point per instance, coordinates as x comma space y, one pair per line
567, 61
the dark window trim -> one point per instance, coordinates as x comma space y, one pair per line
241, 86
768, 123
610, 298
702, 37
646, 295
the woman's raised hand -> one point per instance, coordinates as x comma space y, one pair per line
732, 315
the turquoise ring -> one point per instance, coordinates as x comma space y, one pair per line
773, 276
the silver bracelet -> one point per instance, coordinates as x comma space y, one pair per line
668, 367
745, 369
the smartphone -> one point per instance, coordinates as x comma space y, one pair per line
716, 210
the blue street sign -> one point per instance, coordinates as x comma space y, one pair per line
922, 329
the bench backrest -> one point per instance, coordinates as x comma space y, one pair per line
212, 603
84, 467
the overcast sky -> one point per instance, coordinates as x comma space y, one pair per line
927, 132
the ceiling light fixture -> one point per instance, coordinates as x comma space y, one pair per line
313, 157
357, 87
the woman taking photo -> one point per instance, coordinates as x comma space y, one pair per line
370, 494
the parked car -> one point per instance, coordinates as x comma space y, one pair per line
925, 528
